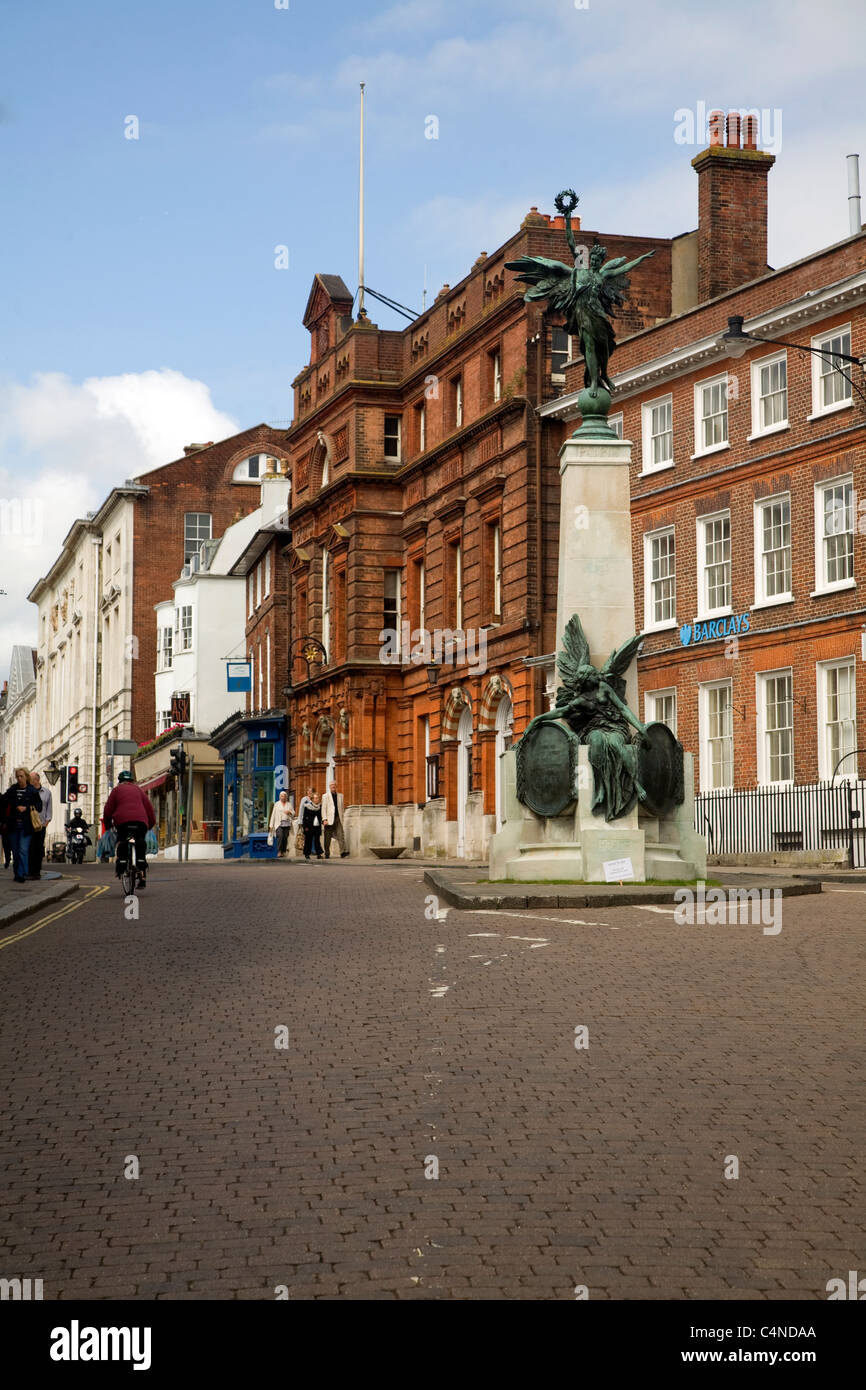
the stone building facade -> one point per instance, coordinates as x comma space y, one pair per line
97, 639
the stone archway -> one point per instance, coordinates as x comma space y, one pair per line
456, 703
322, 738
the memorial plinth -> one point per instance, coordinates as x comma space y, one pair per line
551, 831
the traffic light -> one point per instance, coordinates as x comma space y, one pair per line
178, 760
72, 782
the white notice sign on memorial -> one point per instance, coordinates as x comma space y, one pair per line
617, 870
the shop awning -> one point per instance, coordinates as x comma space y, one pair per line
153, 782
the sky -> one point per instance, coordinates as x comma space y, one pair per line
155, 157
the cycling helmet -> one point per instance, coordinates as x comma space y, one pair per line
124, 777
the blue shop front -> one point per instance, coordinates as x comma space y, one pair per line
253, 750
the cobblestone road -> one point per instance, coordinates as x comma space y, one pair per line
414, 1042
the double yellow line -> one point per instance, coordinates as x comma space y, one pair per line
44, 921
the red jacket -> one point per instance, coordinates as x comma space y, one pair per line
128, 802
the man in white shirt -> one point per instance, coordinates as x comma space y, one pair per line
332, 819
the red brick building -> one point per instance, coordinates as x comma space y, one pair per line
749, 496
190, 500
426, 501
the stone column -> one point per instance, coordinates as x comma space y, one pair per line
596, 577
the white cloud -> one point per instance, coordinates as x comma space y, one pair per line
64, 446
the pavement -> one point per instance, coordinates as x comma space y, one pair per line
282, 1081
18, 900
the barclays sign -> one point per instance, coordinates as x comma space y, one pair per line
715, 628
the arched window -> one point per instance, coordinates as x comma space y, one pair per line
249, 470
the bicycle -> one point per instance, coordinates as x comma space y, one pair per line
131, 877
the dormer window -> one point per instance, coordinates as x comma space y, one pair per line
249, 470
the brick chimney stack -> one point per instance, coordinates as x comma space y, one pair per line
732, 205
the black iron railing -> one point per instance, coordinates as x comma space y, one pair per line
764, 820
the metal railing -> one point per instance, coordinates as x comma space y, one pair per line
766, 820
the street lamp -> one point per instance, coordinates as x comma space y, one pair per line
433, 668
52, 772
735, 341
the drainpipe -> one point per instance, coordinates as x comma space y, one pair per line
539, 510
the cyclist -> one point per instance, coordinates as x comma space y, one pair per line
133, 815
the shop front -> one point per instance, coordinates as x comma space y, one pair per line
253, 750
201, 822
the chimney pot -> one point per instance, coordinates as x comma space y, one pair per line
750, 133
717, 126
733, 124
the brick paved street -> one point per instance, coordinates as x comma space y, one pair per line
305, 1166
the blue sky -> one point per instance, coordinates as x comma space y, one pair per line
141, 308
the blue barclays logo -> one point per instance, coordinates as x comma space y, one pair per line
714, 629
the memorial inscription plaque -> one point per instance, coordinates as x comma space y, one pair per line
547, 768
660, 769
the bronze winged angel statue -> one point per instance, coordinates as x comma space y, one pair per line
587, 296
592, 703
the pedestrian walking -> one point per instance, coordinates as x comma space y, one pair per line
313, 828
280, 824
37, 844
306, 800
22, 814
332, 819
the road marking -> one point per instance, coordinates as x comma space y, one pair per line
45, 921
525, 917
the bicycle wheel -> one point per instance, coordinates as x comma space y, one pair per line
127, 878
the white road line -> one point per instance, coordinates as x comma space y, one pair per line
526, 917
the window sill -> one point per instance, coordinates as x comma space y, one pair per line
716, 449
716, 613
773, 429
771, 602
834, 588
661, 627
831, 410
659, 468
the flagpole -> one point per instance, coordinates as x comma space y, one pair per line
361, 216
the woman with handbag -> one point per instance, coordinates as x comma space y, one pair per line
22, 817
313, 827
300, 833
